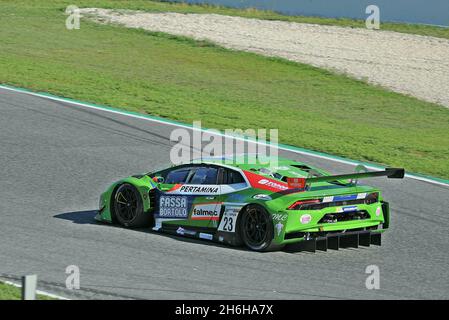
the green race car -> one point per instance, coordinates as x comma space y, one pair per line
262, 207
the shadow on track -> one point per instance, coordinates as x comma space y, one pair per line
88, 217
79, 217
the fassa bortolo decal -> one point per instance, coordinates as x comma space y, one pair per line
173, 207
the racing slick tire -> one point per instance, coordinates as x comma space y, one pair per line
127, 207
256, 229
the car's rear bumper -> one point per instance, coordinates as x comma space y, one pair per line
335, 240
377, 217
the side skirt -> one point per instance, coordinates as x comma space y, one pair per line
188, 231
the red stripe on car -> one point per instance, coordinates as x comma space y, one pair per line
261, 182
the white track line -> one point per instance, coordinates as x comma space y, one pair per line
148, 118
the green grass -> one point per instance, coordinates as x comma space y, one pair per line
186, 80
9, 292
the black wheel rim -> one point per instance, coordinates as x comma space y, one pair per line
255, 227
126, 203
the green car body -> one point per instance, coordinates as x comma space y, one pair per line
252, 204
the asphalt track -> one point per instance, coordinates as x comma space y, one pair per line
56, 158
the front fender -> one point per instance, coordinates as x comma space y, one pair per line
143, 184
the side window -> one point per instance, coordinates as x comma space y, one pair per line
232, 177
177, 176
204, 175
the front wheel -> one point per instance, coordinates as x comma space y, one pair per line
128, 207
256, 229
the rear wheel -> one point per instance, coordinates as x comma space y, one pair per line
128, 207
256, 229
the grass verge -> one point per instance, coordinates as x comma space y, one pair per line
10, 292
185, 80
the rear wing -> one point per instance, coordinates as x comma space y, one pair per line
301, 183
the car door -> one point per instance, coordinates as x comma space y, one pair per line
189, 197
203, 187
232, 198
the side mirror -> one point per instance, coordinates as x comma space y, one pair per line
158, 179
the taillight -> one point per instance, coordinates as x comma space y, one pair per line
303, 204
372, 198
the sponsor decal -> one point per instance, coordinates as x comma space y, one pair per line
346, 209
272, 184
264, 197
344, 197
220, 238
296, 183
206, 236
264, 183
279, 216
183, 231
361, 196
378, 211
206, 211
349, 209
157, 225
305, 218
199, 189
279, 226
173, 207
281, 168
